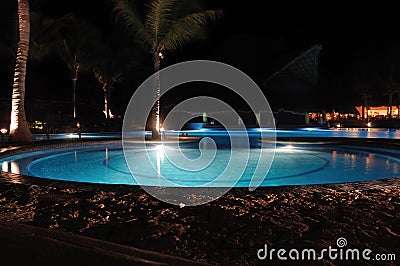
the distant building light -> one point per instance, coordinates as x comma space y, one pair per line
3, 131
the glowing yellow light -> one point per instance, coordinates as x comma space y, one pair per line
14, 168
339, 125
369, 124
4, 167
162, 129
3, 131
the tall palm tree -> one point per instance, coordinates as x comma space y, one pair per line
167, 25
79, 44
391, 90
19, 129
362, 83
113, 64
365, 97
390, 94
76, 43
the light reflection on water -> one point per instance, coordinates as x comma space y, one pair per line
106, 160
14, 168
10, 166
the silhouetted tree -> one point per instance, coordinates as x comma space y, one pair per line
167, 25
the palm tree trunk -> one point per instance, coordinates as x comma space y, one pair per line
390, 105
74, 81
105, 92
19, 130
364, 109
363, 112
398, 111
155, 130
110, 87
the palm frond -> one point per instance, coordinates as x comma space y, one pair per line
158, 18
115, 63
186, 28
126, 14
43, 37
73, 40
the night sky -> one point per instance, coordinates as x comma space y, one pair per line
360, 43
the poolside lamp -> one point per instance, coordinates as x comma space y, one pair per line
3, 132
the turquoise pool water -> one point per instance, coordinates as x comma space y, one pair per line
381, 133
296, 164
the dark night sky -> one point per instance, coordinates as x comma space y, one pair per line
360, 43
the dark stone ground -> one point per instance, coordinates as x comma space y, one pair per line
228, 231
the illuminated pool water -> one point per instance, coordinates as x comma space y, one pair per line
297, 164
381, 133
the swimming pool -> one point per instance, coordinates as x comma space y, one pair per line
381, 133
294, 164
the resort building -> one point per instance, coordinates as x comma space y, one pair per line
378, 111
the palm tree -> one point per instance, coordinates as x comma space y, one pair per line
19, 129
390, 94
112, 66
365, 96
392, 90
81, 46
73, 40
168, 25
77, 47
107, 83
363, 86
